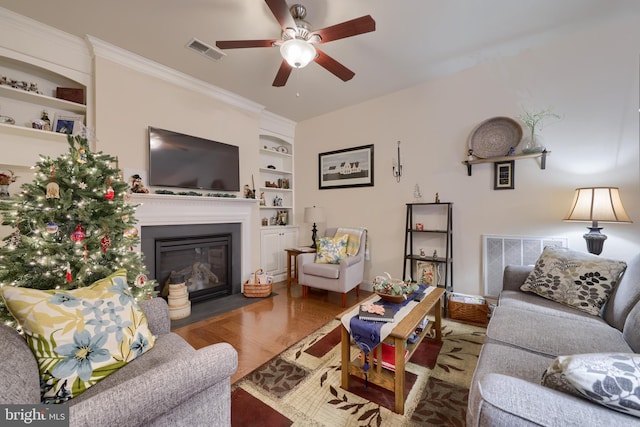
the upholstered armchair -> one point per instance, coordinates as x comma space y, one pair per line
340, 277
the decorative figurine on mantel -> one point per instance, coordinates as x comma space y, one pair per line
437, 198
249, 193
137, 185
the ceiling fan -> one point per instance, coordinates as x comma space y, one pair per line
297, 45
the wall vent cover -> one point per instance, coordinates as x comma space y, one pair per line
500, 251
202, 48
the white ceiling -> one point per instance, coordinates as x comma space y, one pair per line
415, 40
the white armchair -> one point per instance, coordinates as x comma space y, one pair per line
342, 277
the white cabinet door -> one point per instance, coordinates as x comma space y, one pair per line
269, 250
273, 243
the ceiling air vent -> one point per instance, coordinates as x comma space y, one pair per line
206, 50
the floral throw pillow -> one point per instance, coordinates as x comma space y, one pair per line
330, 250
609, 379
80, 336
580, 280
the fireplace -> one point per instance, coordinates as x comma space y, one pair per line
204, 256
202, 222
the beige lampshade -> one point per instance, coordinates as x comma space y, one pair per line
597, 204
314, 215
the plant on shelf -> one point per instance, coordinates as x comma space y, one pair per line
535, 121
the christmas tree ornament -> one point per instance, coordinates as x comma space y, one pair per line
131, 233
78, 234
82, 155
53, 189
141, 280
68, 274
15, 238
125, 218
105, 242
85, 253
110, 193
52, 227
83, 185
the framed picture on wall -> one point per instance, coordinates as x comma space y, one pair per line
503, 175
350, 167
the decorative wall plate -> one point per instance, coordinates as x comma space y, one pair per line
494, 137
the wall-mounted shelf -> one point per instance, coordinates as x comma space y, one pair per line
542, 155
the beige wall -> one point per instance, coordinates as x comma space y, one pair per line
591, 79
127, 102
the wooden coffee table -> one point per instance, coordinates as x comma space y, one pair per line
390, 380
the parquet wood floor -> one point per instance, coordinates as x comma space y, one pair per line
264, 329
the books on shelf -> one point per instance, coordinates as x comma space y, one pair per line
375, 313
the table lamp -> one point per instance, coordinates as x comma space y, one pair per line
314, 215
597, 204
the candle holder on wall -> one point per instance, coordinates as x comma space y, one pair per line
397, 166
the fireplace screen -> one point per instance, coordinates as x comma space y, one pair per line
202, 263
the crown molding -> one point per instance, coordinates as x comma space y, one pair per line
143, 65
31, 41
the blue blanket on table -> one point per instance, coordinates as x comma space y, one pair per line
366, 333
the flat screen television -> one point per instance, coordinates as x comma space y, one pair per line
185, 161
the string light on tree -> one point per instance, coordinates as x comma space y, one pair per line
72, 226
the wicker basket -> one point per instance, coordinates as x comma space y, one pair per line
259, 286
470, 313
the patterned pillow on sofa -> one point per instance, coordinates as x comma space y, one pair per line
330, 250
577, 279
80, 336
609, 379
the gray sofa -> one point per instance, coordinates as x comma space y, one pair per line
171, 385
526, 333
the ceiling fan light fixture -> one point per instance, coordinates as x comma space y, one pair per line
297, 52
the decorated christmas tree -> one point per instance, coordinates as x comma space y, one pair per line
71, 226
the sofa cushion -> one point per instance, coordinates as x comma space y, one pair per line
330, 250
577, 279
532, 302
609, 379
553, 335
329, 271
80, 336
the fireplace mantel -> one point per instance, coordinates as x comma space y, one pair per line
169, 209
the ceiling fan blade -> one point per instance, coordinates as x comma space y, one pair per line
283, 74
364, 24
238, 44
333, 66
280, 10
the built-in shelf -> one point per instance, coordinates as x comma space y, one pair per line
276, 171
542, 155
35, 133
42, 100
274, 152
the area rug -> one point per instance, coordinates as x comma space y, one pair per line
301, 386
